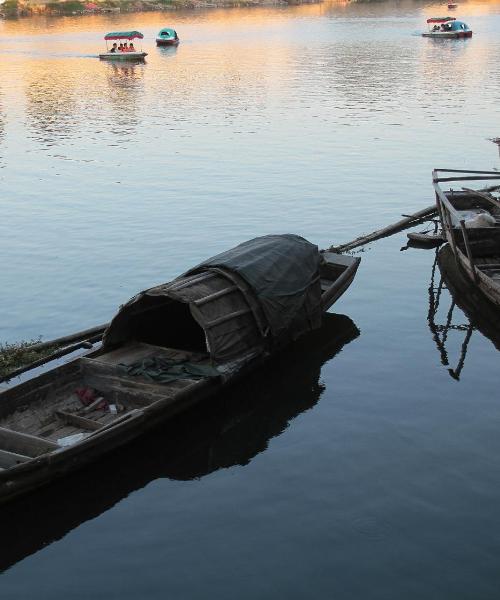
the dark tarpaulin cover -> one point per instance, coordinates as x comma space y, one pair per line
283, 271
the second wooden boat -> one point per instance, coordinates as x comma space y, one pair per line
470, 220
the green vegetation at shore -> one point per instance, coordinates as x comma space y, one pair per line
16, 8
14, 356
10, 8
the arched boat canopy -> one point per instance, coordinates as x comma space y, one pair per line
459, 26
166, 32
235, 305
124, 35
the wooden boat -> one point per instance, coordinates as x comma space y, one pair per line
168, 348
114, 54
470, 220
447, 27
167, 37
425, 240
452, 5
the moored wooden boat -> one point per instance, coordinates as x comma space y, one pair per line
166, 349
470, 220
425, 240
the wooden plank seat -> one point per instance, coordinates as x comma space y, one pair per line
78, 421
11, 459
25, 444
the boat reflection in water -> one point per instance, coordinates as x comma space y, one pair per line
481, 315
231, 430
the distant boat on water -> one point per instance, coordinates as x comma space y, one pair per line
446, 27
167, 37
115, 53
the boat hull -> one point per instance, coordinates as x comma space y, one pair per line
123, 56
167, 42
448, 34
484, 314
487, 285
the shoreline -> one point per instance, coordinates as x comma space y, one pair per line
13, 9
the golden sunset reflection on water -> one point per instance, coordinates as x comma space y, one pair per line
254, 107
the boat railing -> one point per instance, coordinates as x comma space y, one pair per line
447, 211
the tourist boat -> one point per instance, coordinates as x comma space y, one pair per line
167, 37
470, 220
447, 27
168, 348
122, 36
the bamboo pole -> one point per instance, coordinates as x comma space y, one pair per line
408, 221
69, 339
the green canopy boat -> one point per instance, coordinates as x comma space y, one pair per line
167, 37
123, 51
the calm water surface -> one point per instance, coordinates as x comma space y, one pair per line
356, 466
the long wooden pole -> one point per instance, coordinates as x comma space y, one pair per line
93, 332
408, 221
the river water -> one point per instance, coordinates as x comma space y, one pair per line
362, 464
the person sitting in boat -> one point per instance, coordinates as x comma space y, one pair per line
120, 47
125, 47
131, 47
113, 48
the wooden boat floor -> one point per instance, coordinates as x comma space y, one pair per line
61, 413
135, 351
